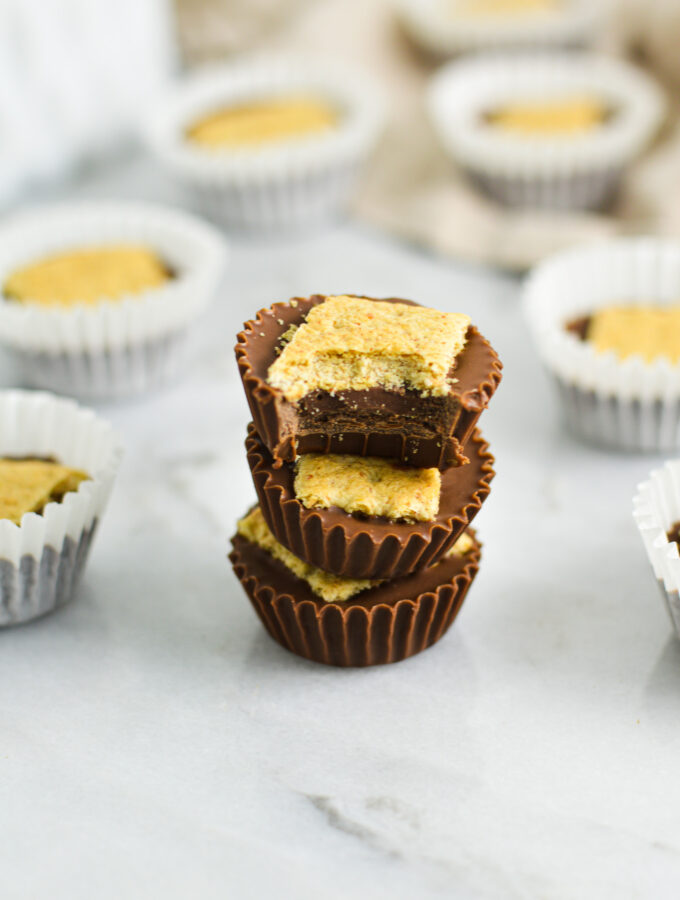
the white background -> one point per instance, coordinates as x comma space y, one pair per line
155, 742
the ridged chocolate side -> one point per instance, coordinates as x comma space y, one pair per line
478, 371
375, 548
392, 622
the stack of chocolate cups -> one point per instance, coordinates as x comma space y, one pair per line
348, 583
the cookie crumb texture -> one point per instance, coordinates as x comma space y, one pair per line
368, 486
647, 331
330, 588
262, 122
550, 118
350, 343
87, 276
28, 485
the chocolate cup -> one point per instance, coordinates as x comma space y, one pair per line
433, 439
368, 547
384, 624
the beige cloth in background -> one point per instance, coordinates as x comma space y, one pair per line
410, 188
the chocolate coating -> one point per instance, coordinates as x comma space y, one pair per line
384, 624
579, 327
368, 547
402, 425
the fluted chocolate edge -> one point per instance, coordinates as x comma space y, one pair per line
261, 396
348, 548
352, 633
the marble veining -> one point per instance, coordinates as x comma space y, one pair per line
155, 742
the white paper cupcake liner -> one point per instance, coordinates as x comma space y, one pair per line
656, 508
42, 559
567, 173
435, 27
623, 404
116, 347
281, 185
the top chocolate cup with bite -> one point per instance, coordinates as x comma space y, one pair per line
428, 432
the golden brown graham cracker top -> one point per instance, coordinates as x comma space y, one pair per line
561, 116
263, 121
87, 275
647, 331
28, 485
368, 485
503, 8
351, 343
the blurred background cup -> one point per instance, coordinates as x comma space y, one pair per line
269, 184
74, 76
84, 81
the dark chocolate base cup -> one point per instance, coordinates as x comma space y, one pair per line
384, 624
360, 422
364, 547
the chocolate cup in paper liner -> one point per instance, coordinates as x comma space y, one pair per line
384, 624
573, 172
439, 31
286, 184
42, 559
113, 348
629, 404
656, 509
368, 547
478, 373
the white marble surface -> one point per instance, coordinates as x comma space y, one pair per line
154, 741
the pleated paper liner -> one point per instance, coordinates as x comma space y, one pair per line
627, 404
478, 373
572, 172
384, 624
42, 559
442, 30
656, 510
361, 547
285, 184
113, 348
